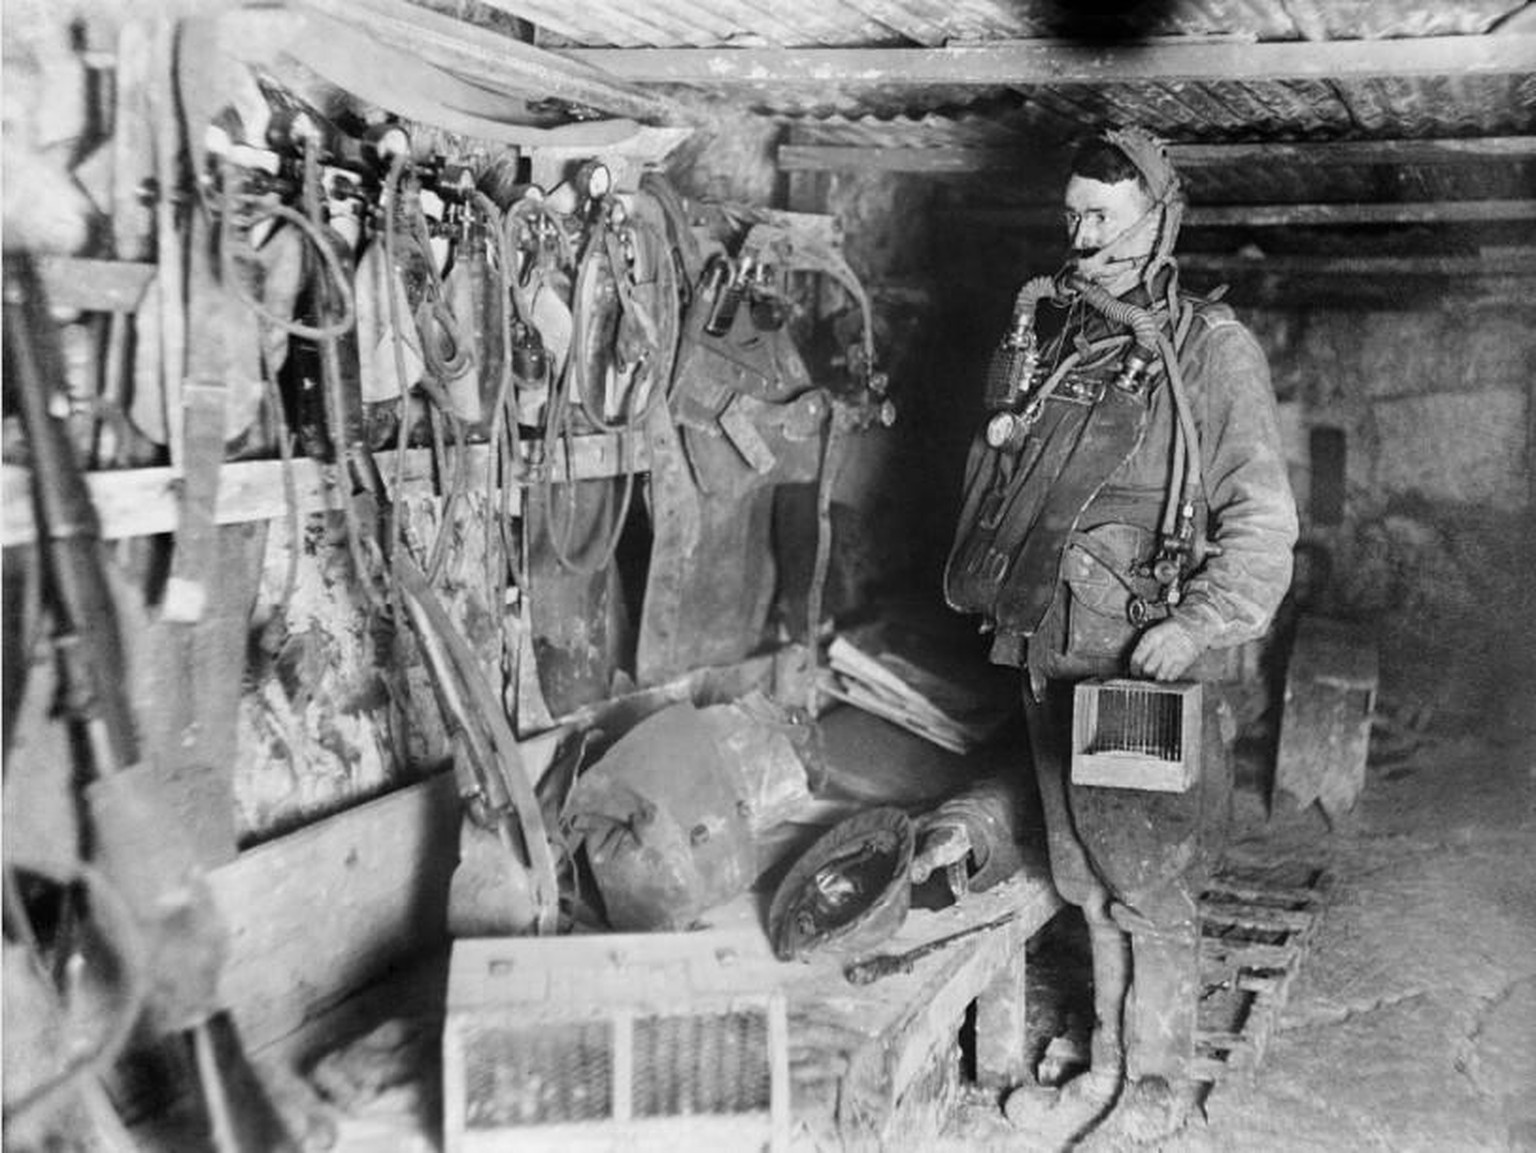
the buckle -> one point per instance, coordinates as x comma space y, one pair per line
1080, 390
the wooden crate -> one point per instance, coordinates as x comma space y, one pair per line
628, 1041
1325, 729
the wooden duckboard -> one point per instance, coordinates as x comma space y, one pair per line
1256, 928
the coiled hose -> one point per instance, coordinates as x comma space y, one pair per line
1142, 322
1034, 291
1185, 475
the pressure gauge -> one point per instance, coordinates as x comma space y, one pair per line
1003, 428
388, 141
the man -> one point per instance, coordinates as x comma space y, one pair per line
1126, 512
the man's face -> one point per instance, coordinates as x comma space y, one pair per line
1111, 229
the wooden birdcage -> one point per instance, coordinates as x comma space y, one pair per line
1129, 734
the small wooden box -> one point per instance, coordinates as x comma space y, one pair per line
1129, 734
1330, 701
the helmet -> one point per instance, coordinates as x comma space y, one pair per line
849, 891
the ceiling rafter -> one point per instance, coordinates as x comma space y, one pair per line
1019, 63
1518, 262
947, 159
491, 59
1290, 215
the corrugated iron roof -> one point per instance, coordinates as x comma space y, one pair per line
865, 23
1010, 78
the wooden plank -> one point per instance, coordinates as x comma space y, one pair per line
1263, 921
1022, 63
145, 501
401, 78
1286, 215
94, 285
946, 159
1520, 262
1289, 215
1225, 1041
619, 713
320, 913
1002, 1059
1361, 292
1219, 951
1351, 153
931, 1001
858, 1051
495, 61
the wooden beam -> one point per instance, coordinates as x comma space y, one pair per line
145, 501
946, 159
494, 60
1364, 293
1506, 262
1285, 215
1432, 212
1021, 63
73, 282
1352, 153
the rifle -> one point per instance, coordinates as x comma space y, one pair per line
137, 840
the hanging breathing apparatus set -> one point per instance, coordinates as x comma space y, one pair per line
392, 332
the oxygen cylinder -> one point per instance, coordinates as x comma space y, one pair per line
464, 284
376, 332
1012, 368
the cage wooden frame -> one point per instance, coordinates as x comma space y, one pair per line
1129, 768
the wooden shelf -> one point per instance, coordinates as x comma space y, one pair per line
145, 501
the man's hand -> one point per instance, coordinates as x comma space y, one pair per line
1164, 652
939, 846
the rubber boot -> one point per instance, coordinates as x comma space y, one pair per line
1164, 998
1111, 972
1158, 1097
1055, 1119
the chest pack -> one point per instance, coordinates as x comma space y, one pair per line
1049, 450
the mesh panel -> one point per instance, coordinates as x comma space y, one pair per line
701, 1064
1136, 721
537, 1074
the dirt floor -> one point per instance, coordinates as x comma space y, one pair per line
1412, 1023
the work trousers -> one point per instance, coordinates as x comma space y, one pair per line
1144, 857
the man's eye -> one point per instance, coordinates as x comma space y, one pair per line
1073, 219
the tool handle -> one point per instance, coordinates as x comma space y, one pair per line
872, 969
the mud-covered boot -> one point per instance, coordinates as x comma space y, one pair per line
1052, 1119
1146, 1114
